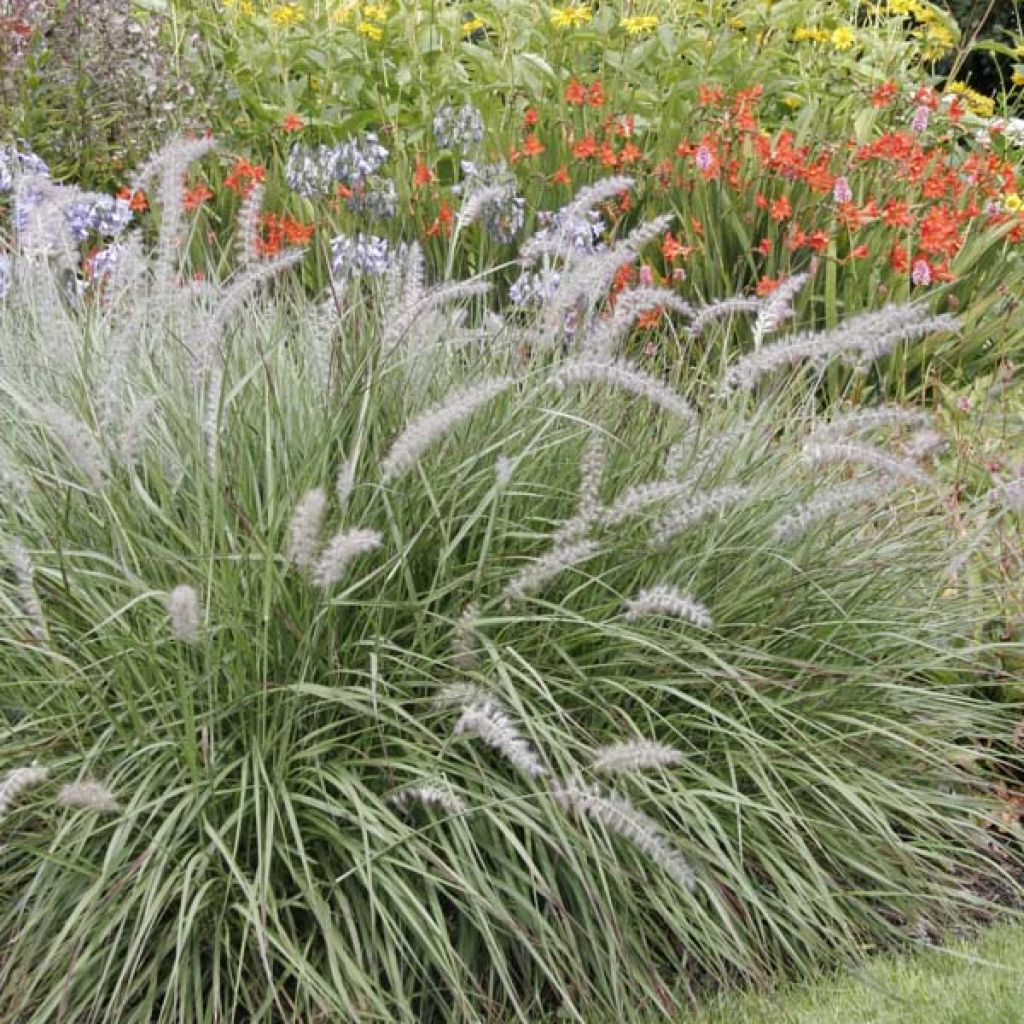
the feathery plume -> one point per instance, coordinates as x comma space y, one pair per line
489, 722
869, 455
345, 481
130, 441
417, 305
606, 334
923, 443
829, 501
465, 639
592, 467
211, 418
640, 497
430, 794
79, 443
677, 521
249, 226
777, 307
667, 601
88, 794
21, 563
185, 613
422, 432
619, 816
541, 570
304, 533
504, 467
635, 756
16, 781
340, 552
862, 421
622, 374
722, 310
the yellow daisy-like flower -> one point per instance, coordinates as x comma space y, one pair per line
375, 12
1017, 78
805, 34
843, 37
937, 40
473, 25
793, 102
640, 24
1013, 202
571, 16
286, 14
371, 31
245, 6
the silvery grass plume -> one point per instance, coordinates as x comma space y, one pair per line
705, 460
488, 721
432, 794
777, 307
677, 521
345, 482
466, 639
607, 334
38, 215
639, 498
17, 781
88, 794
829, 501
635, 756
856, 342
130, 441
616, 814
504, 470
416, 306
170, 165
422, 432
306, 530
560, 243
1009, 493
21, 563
832, 452
923, 443
206, 345
722, 310
592, 468
620, 373
339, 553
248, 240
540, 571
79, 443
862, 421
184, 611
670, 602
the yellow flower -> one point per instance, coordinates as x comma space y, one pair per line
371, 31
1017, 78
473, 25
793, 102
1013, 202
937, 40
804, 34
286, 14
245, 6
983, 106
375, 12
843, 37
571, 16
639, 24
344, 10
737, 23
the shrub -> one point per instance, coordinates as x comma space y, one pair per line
360, 664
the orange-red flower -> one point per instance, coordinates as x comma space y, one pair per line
196, 196
292, 123
896, 214
883, 95
422, 174
442, 223
575, 93
630, 153
766, 285
561, 176
780, 209
709, 95
531, 117
245, 176
532, 146
595, 94
136, 200
585, 148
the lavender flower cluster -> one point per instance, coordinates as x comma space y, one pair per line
459, 128
15, 162
364, 254
312, 171
103, 215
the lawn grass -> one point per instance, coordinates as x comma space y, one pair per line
979, 982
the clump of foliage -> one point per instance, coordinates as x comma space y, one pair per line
364, 661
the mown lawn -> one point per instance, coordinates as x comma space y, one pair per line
979, 982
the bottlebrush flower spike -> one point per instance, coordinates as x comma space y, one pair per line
88, 794
16, 781
635, 756
490, 723
667, 601
409, 447
340, 552
542, 570
304, 534
21, 563
184, 612
624, 375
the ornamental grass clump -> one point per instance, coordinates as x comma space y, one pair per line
411, 748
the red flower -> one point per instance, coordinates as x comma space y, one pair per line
585, 147
896, 214
442, 223
883, 96
136, 200
531, 116
709, 95
899, 259
764, 247
780, 209
196, 196
422, 174
532, 146
608, 155
595, 94
561, 176
671, 250
244, 176
767, 285
292, 123
575, 94
630, 153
